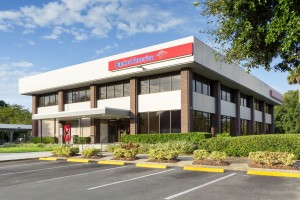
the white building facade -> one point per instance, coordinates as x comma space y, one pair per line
174, 87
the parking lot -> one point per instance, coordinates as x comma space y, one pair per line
35, 180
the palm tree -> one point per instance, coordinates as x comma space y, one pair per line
294, 78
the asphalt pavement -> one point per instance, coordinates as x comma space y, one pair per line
59, 180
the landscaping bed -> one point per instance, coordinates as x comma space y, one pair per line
211, 162
163, 161
277, 166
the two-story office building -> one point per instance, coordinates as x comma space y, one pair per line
174, 87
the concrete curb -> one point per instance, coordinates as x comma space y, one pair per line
49, 158
111, 162
273, 173
81, 160
203, 169
148, 165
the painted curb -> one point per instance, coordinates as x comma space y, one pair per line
110, 162
48, 158
156, 166
78, 160
280, 174
203, 169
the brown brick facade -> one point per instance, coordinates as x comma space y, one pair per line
216, 118
134, 120
186, 100
263, 126
251, 123
237, 120
95, 123
35, 123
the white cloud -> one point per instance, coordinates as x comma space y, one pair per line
21, 64
92, 18
106, 48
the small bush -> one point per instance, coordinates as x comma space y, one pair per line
223, 135
163, 154
200, 154
45, 140
217, 155
90, 152
272, 158
183, 147
193, 137
63, 151
81, 140
128, 150
111, 147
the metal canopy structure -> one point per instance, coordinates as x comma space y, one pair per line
15, 127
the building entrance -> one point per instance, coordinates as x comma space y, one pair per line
117, 128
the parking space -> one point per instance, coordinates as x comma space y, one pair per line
60, 180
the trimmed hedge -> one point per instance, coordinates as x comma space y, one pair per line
81, 140
194, 137
243, 145
45, 140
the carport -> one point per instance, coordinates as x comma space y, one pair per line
12, 128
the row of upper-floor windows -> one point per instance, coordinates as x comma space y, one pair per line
48, 100
114, 90
161, 83
202, 85
77, 95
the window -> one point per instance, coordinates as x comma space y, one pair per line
77, 95
268, 128
227, 124
226, 93
160, 122
201, 121
257, 127
48, 100
201, 85
161, 83
244, 100
268, 109
244, 126
114, 90
257, 105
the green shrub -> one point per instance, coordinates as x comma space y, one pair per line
193, 137
217, 155
65, 151
81, 140
162, 154
45, 140
272, 158
89, 152
200, 154
111, 147
183, 147
243, 145
128, 150
223, 135
144, 148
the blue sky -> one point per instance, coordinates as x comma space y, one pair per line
39, 36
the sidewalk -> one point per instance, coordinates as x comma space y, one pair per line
23, 156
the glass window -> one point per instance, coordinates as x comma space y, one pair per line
110, 91
176, 82
144, 85
165, 122
82, 95
41, 101
47, 102
52, 99
144, 123
154, 84
165, 83
118, 90
103, 92
175, 121
68, 96
126, 88
153, 122
75, 96
194, 83
198, 84
87, 94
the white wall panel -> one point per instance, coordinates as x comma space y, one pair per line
78, 106
47, 109
268, 118
203, 103
228, 108
160, 101
120, 103
257, 116
245, 112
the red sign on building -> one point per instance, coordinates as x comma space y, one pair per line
150, 57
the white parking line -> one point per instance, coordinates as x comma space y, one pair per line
34, 170
51, 179
198, 187
127, 180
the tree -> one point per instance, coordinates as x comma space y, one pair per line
254, 33
14, 114
286, 115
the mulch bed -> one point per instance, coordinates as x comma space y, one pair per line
94, 157
211, 162
164, 161
278, 166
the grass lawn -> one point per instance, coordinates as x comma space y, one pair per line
26, 148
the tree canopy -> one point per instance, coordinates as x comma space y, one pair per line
14, 114
286, 115
254, 33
